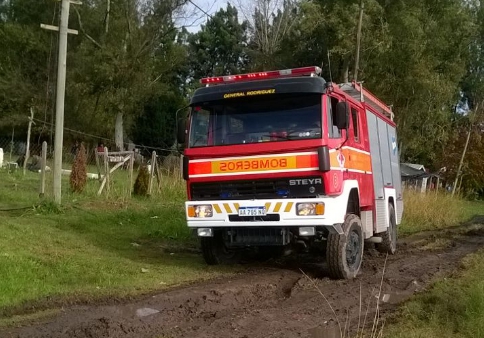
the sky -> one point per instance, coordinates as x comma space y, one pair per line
199, 18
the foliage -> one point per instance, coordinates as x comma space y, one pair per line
155, 127
24, 58
220, 47
78, 177
132, 66
141, 184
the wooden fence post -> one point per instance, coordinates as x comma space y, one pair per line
27, 150
98, 165
152, 171
43, 163
106, 169
131, 165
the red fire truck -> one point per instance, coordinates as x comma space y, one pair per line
285, 160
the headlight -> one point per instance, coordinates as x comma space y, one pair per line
200, 211
309, 209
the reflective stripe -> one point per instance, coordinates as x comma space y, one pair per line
288, 207
217, 209
227, 208
277, 207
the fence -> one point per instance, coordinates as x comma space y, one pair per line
99, 166
13, 152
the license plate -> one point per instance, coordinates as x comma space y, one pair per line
252, 211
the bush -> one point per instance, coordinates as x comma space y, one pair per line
78, 178
142, 181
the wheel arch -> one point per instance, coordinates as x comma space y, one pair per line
353, 206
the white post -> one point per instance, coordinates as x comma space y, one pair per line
152, 171
106, 168
42, 169
27, 150
59, 107
131, 165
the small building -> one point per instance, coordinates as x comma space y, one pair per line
417, 177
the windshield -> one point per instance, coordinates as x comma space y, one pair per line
239, 121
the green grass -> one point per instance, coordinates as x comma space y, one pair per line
433, 211
92, 247
452, 308
114, 245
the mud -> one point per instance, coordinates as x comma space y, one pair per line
276, 299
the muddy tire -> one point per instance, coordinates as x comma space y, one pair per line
214, 251
389, 237
344, 253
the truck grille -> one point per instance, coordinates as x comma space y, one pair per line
266, 218
253, 189
257, 236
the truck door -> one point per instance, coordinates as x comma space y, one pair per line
334, 178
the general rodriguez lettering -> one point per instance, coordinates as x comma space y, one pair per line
261, 92
232, 95
249, 93
258, 164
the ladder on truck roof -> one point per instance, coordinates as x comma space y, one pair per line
356, 91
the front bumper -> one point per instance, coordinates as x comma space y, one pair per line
280, 213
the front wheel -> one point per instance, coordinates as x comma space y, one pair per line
344, 253
215, 252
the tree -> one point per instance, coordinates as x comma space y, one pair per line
220, 47
155, 128
270, 21
142, 182
121, 63
24, 58
78, 177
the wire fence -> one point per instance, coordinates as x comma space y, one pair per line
165, 170
14, 153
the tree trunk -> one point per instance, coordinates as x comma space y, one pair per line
346, 70
118, 132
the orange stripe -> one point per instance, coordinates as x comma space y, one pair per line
255, 164
352, 160
199, 168
306, 161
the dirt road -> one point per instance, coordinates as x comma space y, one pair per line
274, 300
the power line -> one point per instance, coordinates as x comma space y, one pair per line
202, 10
104, 138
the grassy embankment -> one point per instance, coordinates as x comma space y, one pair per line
93, 247
453, 307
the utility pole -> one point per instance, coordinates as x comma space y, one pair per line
461, 161
60, 94
465, 150
358, 42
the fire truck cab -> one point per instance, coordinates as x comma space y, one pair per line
285, 160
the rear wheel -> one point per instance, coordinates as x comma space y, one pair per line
389, 237
344, 253
215, 252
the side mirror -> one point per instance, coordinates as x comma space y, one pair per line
341, 116
181, 130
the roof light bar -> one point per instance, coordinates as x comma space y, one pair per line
313, 70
